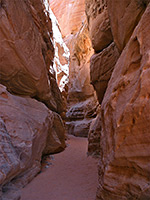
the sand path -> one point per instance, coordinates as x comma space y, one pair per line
71, 176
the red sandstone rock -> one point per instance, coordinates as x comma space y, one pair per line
72, 21
33, 130
55, 141
125, 137
80, 116
28, 129
9, 160
101, 63
70, 15
26, 52
61, 55
124, 16
99, 24
79, 75
80, 91
101, 68
94, 136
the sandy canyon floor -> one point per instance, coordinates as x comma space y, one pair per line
69, 175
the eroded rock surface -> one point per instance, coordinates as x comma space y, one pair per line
9, 161
102, 61
79, 89
70, 15
101, 68
26, 41
120, 133
94, 135
99, 24
124, 16
80, 116
32, 130
124, 138
79, 79
28, 129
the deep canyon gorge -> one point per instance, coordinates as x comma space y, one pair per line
81, 68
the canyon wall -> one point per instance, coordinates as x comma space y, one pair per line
30, 100
81, 98
123, 122
102, 61
70, 15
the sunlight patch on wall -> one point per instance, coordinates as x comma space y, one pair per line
61, 70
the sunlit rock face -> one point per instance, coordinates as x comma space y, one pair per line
123, 122
81, 97
70, 15
29, 127
61, 54
27, 41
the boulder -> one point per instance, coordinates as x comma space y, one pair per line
9, 163
80, 116
28, 130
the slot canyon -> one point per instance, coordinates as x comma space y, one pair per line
74, 99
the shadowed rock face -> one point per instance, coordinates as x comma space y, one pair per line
9, 157
26, 52
32, 130
9, 164
99, 24
28, 129
94, 136
80, 116
101, 68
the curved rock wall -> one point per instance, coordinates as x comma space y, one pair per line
123, 122
102, 61
70, 15
28, 128
27, 41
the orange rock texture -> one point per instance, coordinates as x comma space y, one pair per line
27, 42
81, 98
30, 124
99, 24
70, 15
102, 61
123, 124
31, 130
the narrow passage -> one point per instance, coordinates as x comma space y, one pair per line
71, 176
